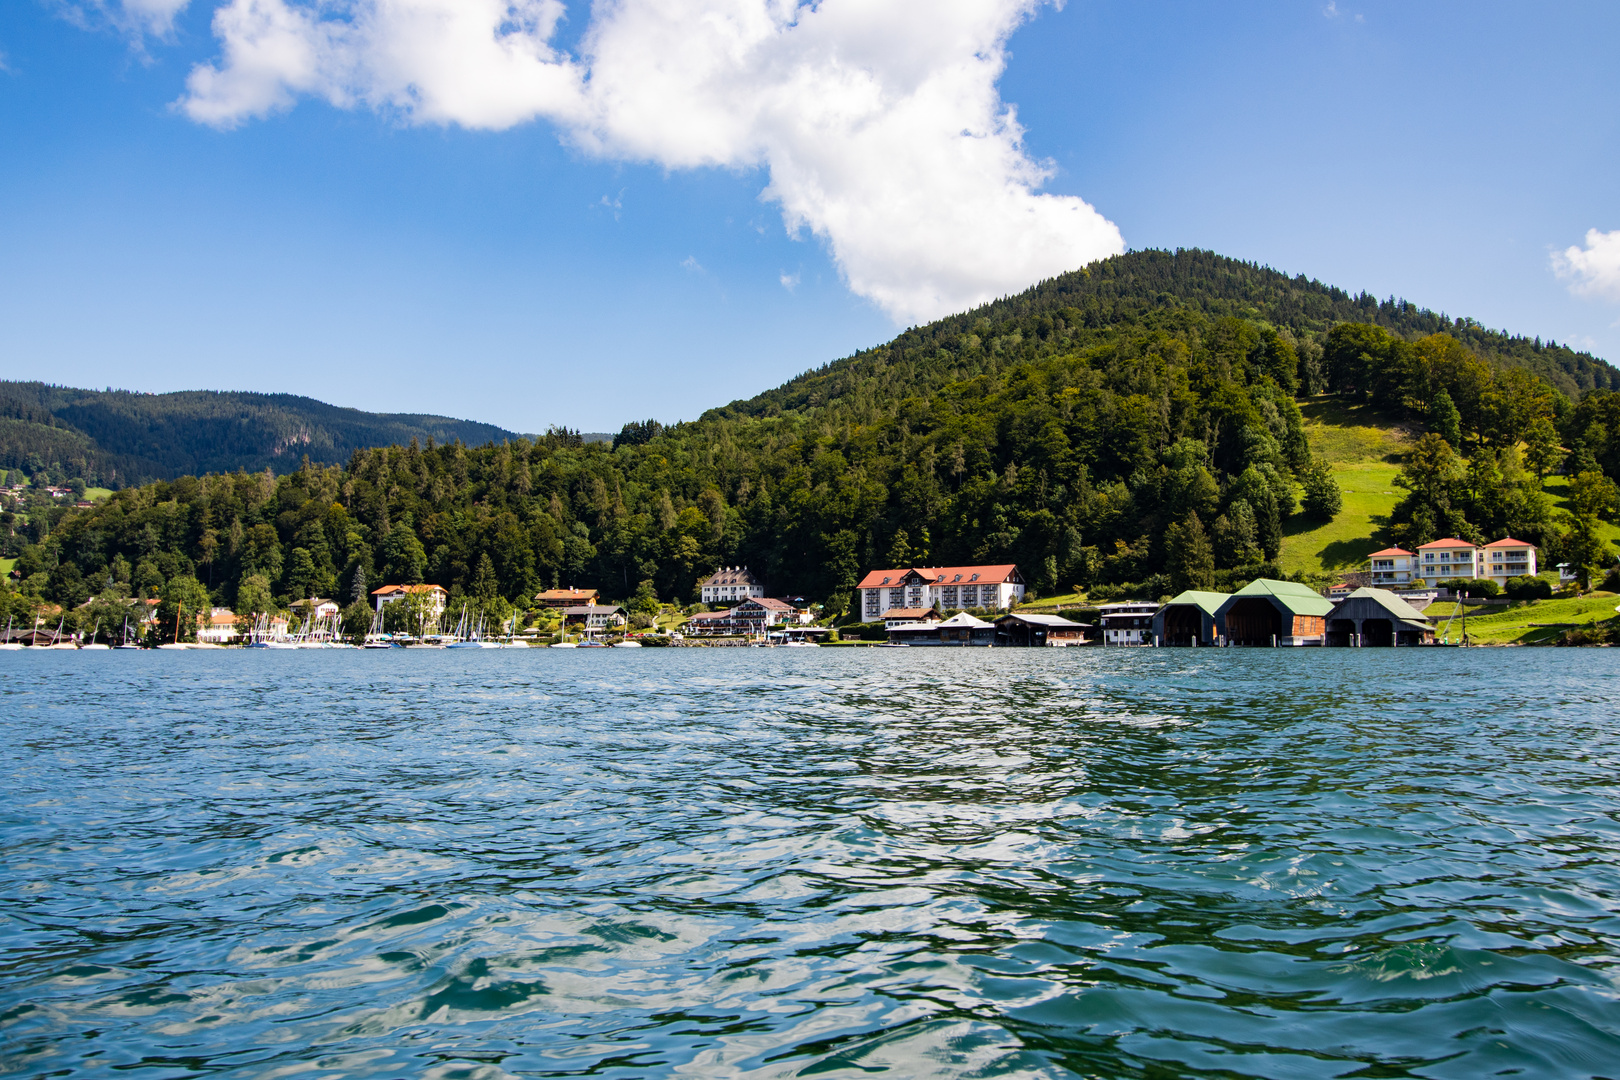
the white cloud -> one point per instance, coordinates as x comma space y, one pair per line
790, 282
136, 18
691, 263
878, 121
1592, 271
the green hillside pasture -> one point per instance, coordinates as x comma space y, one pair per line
1515, 623
1558, 488
1311, 546
5, 567
1342, 433
1364, 447
96, 494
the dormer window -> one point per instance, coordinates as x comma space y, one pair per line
975, 577
885, 581
939, 579
958, 577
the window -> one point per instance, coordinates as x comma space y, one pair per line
958, 577
975, 577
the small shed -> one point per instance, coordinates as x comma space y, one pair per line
1270, 612
1189, 619
1377, 617
1020, 628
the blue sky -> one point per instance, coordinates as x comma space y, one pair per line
380, 220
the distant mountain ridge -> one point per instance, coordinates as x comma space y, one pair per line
1154, 288
118, 438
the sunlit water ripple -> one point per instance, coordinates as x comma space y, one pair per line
772, 863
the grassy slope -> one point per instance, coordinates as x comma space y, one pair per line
5, 566
1514, 624
1363, 446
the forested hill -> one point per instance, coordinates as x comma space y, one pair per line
116, 438
1159, 289
1131, 429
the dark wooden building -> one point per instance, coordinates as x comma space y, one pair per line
1377, 617
1189, 618
1268, 612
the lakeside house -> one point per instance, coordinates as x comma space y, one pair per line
565, 598
391, 594
948, 588
1442, 560
729, 584
1392, 566
755, 616
217, 627
1128, 622
594, 617
1508, 558
906, 616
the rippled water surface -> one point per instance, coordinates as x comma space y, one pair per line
772, 863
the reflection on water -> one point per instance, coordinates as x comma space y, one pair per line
719, 863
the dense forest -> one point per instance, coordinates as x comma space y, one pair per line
1129, 428
115, 438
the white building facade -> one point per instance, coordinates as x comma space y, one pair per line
1508, 558
731, 585
948, 588
1128, 622
1391, 567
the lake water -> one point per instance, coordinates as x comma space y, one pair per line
833, 863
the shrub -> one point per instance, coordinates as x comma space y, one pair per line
1529, 588
1482, 588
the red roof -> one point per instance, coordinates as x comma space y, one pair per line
408, 588
942, 575
1388, 553
1508, 541
1447, 543
767, 603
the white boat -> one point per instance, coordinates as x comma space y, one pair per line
627, 644
95, 645
563, 645
8, 645
172, 645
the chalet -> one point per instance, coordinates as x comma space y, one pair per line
730, 584
760, 613
322, 609
389, 594
949, 588
707, 624
1129, 622
1392, 566
1377, 617
565, 598
1189, 618
1507, 558
1267, 612
1029, 628
909, 616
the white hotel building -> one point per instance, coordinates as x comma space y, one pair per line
948, 588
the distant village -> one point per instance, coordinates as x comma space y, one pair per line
1399, 599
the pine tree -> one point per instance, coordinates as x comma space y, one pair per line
1190, 559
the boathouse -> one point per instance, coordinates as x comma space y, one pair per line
1377, 617
1268, 612
1189, 619
1021, 628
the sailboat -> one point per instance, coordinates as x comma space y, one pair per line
57, 642
91, 644
124, 642
8, 645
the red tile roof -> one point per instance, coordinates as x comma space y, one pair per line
408, 588
1508, 541
1450, 542
942, 575
910, 613
1389, 553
